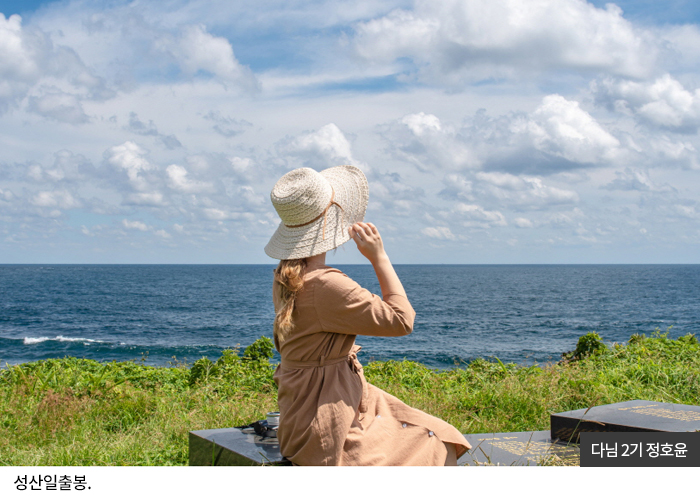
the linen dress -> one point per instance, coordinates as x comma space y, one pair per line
329, 414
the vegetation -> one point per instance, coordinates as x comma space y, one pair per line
80, 412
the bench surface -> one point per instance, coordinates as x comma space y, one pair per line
243, 447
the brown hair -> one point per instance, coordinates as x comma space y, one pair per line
289, 278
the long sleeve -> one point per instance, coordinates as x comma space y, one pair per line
343, 306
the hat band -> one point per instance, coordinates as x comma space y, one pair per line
323, 214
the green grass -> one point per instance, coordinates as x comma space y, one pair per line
80, 412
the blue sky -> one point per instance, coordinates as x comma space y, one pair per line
654, 12
556, 131
20, 7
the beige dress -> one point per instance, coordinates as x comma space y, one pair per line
330, 415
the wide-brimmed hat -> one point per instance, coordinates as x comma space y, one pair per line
316, 209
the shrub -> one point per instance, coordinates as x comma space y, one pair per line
261, 349
590, 344
202, 371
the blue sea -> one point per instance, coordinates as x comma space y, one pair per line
163, 313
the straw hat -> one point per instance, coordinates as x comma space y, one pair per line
316, 209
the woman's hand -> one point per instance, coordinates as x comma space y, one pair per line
368, 240
370, 244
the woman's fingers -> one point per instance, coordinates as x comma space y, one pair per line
367, 227
364, 231
368, 240
357, 232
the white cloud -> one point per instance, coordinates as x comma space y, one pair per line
522, 222
662, 103
225, 125
687, 211
326, 146
179, 181
134, 43
217, 214
670, 151
19, 68
394, 194
67, 167
572, 217
467, 40
440, 233
683, 40
141, 128
558, 135
561, 128
422, 124
28, 57
422, 140
636, 180
458, 186
59, 106
197, 51
320, 149
152, 199
58, 199
6, 195
522, 190
130, 158
241, 166
135, 224
477, 216
250, 198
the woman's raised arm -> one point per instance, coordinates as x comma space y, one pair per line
369, 243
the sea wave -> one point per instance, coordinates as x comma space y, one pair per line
60, 338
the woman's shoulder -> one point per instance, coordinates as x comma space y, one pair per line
330, 277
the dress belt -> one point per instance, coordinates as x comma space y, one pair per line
324, 361
351, 358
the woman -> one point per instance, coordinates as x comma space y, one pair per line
329, 414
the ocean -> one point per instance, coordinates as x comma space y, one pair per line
178, 313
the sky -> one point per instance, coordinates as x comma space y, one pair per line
490, 131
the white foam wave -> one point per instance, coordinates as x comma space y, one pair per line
29, 340
59, 338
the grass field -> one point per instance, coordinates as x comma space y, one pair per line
81, 412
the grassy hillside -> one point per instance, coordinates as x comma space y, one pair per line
80, 412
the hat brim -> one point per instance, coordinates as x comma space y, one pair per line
351, 192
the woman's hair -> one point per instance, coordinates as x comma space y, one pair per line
289, 277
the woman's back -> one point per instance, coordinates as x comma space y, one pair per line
331, 309
330, 415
